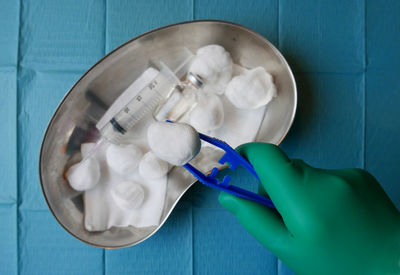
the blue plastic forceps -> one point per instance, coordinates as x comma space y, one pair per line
234, 159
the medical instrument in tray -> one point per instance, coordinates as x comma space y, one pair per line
234, 159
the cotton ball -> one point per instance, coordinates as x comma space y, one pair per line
84, 175
151, 167
123, 159
127, 195
252, 89
208, 114
176, 143
213, 64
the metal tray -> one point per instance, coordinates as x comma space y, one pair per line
74, 120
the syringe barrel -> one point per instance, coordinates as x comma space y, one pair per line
166, 89
144, 102
111, 133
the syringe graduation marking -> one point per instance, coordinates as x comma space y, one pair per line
136, 109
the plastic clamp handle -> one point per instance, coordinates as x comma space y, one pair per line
234, 159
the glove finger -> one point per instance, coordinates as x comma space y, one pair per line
280, 177
262, 191
263, 223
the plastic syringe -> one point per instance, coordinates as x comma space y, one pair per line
172, 97
144, 102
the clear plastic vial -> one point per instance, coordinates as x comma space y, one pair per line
181, 100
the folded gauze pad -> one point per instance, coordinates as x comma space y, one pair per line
119, 201
123, 159
151, 167
252, 89
208, 114
84, 175
176, 143
127, 194
214, 65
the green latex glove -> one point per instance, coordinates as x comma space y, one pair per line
329, 221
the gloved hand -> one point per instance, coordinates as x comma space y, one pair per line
329, 221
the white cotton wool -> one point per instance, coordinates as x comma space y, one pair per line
208, 114
127, 195
176, 143
213, 64
123, 159
84, 175
252, 89
151, 167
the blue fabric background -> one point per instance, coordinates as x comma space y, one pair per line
346, 58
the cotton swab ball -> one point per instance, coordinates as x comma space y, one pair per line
151, 167
208, 114
123, 159
176, 143
213, 64
128, 195
251, 90
84, 175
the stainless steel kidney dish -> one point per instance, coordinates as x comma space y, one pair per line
75, 118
